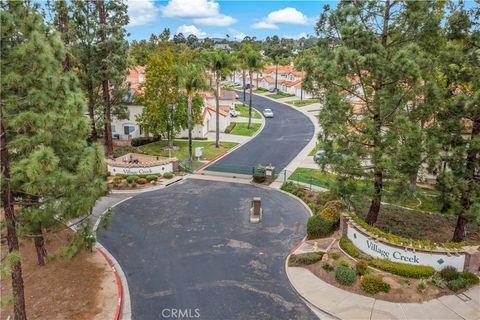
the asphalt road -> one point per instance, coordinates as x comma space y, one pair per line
190, 247
282, 138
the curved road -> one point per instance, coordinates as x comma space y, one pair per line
190, 247
282, 138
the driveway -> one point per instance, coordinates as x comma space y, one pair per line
282, 138
191, 247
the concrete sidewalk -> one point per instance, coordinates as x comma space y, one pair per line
341, 304
228, 137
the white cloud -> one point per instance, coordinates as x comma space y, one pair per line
191, 29
264, 25
218, 21
142, 12
204, 12
235, 34
298, 36
286, 16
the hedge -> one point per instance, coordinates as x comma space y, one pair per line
260, 174
318, 227
403, 269
230, 127
132, 178
353, 251
140, 141
400, 269
168, 175
304, 258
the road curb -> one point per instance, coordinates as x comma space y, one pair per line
117, 280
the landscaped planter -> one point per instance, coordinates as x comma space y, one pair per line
134, 163
462, 259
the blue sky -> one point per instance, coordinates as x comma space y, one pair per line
212, 18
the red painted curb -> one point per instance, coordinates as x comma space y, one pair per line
213, 159
296, 247
119, 283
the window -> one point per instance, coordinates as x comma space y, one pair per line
113, 128
128, 129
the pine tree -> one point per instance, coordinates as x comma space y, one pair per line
459, 118
112, 61
55, 176
369, 55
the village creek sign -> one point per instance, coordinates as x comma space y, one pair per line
382, 250
141, 170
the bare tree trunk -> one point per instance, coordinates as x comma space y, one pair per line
257, 80
276, 77
377, 198
91, 113
466, 199
189, 114
217, 109
12, 238
40, 248
250, 104
107, 116
244, 75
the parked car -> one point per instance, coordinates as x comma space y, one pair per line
318, 155
268, 113
236, 84
234, 113
247, 86
272, 90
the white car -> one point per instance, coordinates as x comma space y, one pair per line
268, 113
234, 113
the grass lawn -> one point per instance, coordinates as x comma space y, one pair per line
244, 111
260, 90
280, 95
242, 130
424, 200
304, 102
209, 150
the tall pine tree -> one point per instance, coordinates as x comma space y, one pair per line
55, 176
368, 68
112, 50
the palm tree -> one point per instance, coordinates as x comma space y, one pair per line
192, 80
220, 64
254, 63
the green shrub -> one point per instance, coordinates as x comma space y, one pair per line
120, 176
142, 181
457, 284
361, 267
449, 273
304, 258
328, 267
152, 177
332, 209
318, 227
403, 269
372, 284
117, 178
334, 255
343, 263
230, 127
344, 275
259, 174
470, 277
168, 175
140, 141
438, 281
353, 251
422, 285
132, 178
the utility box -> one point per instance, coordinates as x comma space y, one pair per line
198, 152
256, 210
269, 173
